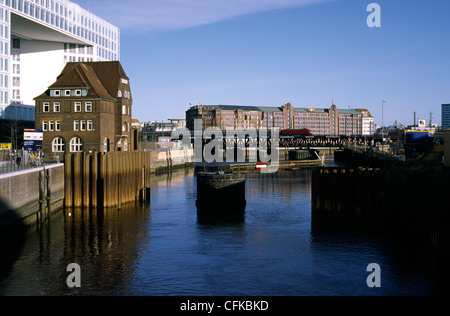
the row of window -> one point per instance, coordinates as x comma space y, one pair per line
68, 93
78, 125
57, 107
58, 145
82, 125
77, 107
51, 125
76, 145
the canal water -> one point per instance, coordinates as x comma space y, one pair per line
162, 249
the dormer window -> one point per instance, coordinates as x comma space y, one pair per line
78, 92
67, 93
56, 93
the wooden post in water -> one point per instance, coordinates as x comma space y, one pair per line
101, 194
77, 180
118, 162
68, 178
49, 193
108, 180
86, 170
93, 179
41, 196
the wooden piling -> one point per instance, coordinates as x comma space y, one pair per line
93, 161
77, 180
41, 196
106, 179
86, 171
68, 178
49, 193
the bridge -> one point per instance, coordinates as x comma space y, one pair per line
249, 138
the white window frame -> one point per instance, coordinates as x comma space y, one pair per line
77, 105
82, 125
88, 107
58, 145
56, 93
51, 125
76, 145
56, 107
90, 125
67, 93
76, 125
78, 92
46, 107
57, 125
44, 125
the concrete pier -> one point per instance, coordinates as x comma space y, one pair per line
220, 196
30, 196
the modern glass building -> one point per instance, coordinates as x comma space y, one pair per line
38, 37
445, 116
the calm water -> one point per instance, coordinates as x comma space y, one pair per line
161, 249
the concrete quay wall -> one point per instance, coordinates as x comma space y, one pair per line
28, 196
168, 160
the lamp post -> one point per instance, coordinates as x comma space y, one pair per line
382, 120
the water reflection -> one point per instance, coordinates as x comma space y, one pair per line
162, 249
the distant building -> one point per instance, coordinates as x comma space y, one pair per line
447, 147
368, 125
178, 123
17, 112
321, 121
88, 108
445, 116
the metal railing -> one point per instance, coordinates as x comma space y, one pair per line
32, 163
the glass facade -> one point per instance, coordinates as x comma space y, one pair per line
101, 40
445, 115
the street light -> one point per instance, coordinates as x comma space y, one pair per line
382, 120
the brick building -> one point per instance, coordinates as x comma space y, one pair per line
321, 121
88, 108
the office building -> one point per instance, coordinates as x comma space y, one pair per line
38, 37
320, 121
445, 116
88, 108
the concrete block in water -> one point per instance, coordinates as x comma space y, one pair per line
220, 195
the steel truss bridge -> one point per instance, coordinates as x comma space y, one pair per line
254, 137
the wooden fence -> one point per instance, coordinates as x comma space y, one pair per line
106, 179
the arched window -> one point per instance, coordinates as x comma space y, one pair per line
58, 145
76, 145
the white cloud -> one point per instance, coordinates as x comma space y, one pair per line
157, 15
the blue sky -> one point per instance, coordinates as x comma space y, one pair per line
268, 53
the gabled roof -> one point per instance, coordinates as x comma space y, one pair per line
101, 78
109, 73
